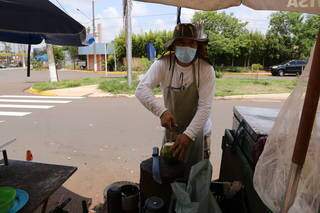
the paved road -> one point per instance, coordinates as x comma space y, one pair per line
105, 137
15, 81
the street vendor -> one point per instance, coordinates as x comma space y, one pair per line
187, 82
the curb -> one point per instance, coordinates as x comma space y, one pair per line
278, 96
38, 92
97, 72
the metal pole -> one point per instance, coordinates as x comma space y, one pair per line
106, 60
129, 40
115, 58
94, 36
305, 129
178, 15
29, 58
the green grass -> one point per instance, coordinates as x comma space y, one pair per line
246, 86
118, 86
224, 86
42, 86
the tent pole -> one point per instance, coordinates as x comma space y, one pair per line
308, 117
178, 15
28, 62
128, 39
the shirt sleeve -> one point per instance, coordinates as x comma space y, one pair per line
206, 93
153, 78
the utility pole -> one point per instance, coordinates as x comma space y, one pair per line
52, 64
128, 26
94, 36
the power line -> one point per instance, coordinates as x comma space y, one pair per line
62, 7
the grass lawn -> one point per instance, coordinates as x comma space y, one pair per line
42, 86
249, 86
224, 86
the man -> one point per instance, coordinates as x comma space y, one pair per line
187, 82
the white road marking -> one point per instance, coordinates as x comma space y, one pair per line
25, 106
40, 97
17, 114
2, 121
34, 101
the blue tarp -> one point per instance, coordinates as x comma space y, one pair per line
151, 51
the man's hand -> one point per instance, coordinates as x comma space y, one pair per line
167, 120
180, 147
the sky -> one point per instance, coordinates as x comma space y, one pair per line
147, 16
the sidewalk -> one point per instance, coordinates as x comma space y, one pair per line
94, 91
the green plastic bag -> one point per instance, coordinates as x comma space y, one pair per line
195, 197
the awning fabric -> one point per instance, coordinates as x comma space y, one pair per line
32, 21
303, 6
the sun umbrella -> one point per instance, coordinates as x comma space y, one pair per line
32, 21
280, 5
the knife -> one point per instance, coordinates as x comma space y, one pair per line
156, 165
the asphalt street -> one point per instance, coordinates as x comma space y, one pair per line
15, 81
106, 138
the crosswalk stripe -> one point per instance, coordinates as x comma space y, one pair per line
14, 113
25, 106
40, 97
1, 121
34, 101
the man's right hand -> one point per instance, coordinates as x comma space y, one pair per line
167, 120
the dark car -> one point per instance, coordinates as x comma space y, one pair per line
290, 67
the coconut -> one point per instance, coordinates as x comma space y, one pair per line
167, 154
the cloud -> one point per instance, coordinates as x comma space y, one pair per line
258, 20
140, 9
111, 23
186, 15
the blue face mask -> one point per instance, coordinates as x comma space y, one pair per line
185, 54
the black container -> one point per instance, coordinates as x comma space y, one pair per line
154, 205
169, 174
130, 198
114, 200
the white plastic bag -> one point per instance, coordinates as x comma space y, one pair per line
272, 170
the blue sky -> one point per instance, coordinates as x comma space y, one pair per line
146, 16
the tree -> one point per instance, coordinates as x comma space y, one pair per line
73, 51
292, 34
139, 42
224, 32
58, 55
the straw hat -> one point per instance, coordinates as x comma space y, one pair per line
188, 31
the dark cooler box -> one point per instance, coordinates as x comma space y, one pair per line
241, 148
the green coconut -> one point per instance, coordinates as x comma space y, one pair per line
167, 154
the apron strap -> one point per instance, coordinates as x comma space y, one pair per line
173, 66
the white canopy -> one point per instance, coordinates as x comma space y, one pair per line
303, 6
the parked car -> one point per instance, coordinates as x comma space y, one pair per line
290, 67
2, 66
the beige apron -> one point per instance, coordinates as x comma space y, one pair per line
183, 103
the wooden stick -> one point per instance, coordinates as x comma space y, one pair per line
308, 116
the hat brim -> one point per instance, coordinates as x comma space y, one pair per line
169, 45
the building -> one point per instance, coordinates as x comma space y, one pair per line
86, 53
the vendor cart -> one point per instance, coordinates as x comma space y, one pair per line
311, 96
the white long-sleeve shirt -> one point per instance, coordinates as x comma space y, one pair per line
159, 75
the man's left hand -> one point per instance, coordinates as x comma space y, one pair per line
180, 147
